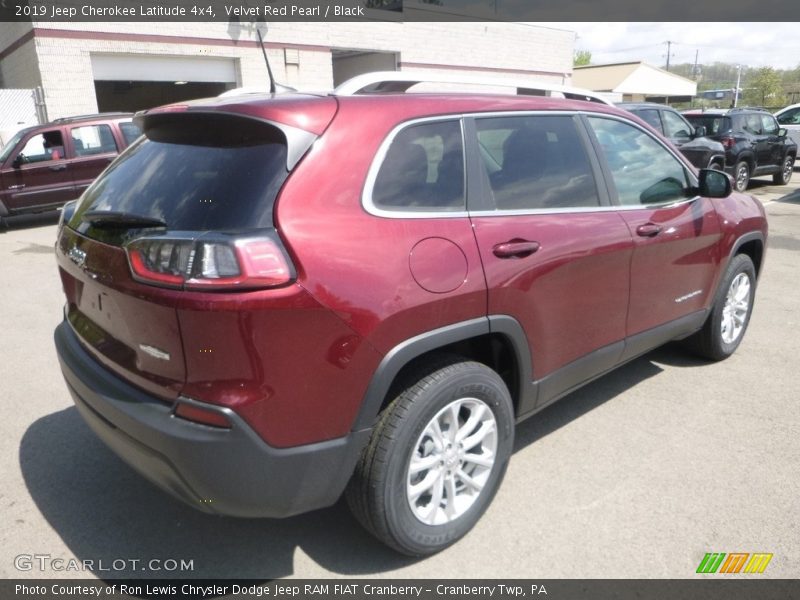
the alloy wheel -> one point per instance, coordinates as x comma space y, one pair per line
451, 462
737, 305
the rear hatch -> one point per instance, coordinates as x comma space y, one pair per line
172, 214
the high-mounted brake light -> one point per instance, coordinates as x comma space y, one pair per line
209, 264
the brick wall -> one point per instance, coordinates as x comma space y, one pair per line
63, 51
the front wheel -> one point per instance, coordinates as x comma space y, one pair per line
436, 457
785, 175
741, 176
730, 313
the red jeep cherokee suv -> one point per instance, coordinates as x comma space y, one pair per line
274, 300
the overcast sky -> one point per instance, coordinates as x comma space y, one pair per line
754, 44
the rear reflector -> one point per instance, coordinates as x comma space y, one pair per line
203, 416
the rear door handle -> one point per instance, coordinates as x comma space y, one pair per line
648, 230
515, 249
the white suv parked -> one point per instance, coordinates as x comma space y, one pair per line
789, 118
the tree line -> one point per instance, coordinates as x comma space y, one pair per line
760, 86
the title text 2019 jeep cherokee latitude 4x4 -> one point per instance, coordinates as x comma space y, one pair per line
272, 300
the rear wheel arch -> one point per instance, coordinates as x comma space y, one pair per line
746, 157
498, 341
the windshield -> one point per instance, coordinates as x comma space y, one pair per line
8, 148
190, 184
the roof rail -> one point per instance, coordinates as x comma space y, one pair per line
742, 108
401, 81
105, 115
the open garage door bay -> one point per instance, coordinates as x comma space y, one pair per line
131, 82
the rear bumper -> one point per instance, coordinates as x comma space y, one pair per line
223, 471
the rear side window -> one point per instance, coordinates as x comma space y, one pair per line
536, 162
769, 125
752, 124
92, 139
195, 174
650, 116
423, 170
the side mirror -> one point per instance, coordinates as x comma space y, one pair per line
783, 132
714, 184
700, 131
20, 160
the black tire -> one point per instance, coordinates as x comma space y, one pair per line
377, 492
710, 342
741, 176
784, 176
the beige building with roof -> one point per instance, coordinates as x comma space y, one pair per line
635, 82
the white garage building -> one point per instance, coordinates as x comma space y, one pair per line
89, 67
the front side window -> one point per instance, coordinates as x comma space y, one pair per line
675, 127
644, 171
790, 117
423, 170
536, 162
43, 147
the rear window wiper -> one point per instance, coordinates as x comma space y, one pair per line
108, 218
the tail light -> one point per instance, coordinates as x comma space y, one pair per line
210, 263
66, 213
728, 142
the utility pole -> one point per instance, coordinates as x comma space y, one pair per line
669, 47
695, 75
738, 81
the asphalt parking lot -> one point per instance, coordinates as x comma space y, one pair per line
637, 475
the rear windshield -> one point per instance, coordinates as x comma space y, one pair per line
714, 124
193, 179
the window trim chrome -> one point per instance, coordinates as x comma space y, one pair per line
367, 201
369, 206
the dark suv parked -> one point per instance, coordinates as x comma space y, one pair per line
272, 300
754, 143
703, 152
44, 166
